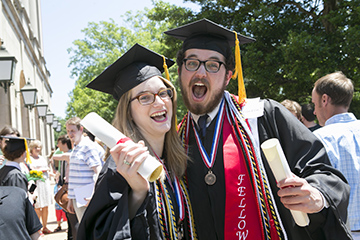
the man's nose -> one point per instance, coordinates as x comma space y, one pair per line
201, 72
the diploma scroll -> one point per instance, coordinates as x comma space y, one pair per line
280, 168
150, 169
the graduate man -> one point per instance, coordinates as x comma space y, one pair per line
232, 190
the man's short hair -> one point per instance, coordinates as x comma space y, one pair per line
307, 110
64, 139
13, 155
337, 86
74, 121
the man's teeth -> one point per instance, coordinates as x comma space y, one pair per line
199, 84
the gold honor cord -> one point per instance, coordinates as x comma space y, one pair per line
168, 223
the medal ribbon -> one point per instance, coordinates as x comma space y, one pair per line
209, 161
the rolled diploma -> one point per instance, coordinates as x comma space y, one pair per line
150, 169
280, 168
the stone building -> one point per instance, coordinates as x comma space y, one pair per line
23, 72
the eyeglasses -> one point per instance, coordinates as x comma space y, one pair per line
148, 97
211, 66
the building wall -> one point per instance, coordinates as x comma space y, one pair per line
21, 33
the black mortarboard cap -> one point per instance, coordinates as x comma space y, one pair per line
205, 34
14, 143
135, 66
17, 143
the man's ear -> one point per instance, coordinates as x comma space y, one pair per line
325, 99
228, 77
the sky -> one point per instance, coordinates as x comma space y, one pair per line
62, 22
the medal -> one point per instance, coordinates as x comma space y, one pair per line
209, 159
210, 178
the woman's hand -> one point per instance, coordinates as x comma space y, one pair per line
128, 157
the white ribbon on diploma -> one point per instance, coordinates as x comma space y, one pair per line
280, 168
150, 169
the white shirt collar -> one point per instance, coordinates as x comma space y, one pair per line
211, 114
13, 164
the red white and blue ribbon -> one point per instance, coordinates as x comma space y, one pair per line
209, 161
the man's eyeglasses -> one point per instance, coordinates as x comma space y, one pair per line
211, 66
148, 97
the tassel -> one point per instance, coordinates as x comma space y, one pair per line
238, 71
166, 70
28, 159
167, 76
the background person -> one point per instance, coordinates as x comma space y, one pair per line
85, 164
15, 152
308, 117
65, 146
18, 218
6, 131
43, 190
340, 134
293, 107
125, 205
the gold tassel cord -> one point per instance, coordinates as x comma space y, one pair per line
28, 159
167, 76
166, 70
238, 71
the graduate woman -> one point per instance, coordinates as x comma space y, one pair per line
125, 205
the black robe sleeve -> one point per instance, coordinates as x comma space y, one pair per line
307, 159
107, 216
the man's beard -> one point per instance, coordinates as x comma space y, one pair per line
200, 108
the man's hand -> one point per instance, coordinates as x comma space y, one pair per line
297, 194
70, 207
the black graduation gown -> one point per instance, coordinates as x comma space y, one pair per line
18, 219
307, 158
107, 215
12, 176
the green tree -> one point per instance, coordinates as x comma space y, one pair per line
103, 44
297, 42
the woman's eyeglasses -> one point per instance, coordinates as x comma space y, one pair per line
148, 97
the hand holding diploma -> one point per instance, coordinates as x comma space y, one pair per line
288, 182
150, 168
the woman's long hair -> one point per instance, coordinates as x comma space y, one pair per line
174, 154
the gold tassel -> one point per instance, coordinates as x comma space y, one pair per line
167, 76
166, 70
238, 71
28, 159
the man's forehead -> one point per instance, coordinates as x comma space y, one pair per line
71, 127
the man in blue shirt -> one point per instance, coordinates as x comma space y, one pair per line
340, 134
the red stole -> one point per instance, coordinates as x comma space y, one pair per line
242, 216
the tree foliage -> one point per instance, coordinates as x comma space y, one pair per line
103, 44
297, 42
